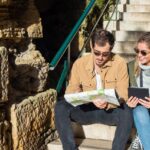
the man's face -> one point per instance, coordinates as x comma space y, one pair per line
101, 54
143, 53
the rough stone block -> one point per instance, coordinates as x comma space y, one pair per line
5, 134
26, 24
4, 76
33, 121
31, 71
5, 2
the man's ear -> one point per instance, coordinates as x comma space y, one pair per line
91, 46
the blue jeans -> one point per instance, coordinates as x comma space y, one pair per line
85, 114
142, 122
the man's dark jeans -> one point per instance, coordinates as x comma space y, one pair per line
89, 114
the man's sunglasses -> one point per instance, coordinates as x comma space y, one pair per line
142, 52
103, 54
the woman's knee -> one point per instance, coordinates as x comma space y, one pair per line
140, 112
141, 115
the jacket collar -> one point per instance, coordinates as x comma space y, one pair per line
90, 64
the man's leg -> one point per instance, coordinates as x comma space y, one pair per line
142, 122
124, 126
66, 113
63, 124
89, 114
121, 117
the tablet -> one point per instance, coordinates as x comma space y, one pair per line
140, 93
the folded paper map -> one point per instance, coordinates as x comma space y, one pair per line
108, 95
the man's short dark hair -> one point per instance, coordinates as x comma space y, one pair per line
101, 37
145, 38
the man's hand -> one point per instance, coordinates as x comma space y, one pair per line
145, 103
99, 103
132, 102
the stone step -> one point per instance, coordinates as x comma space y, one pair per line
134, 2
84, 144
105, 132
139, 2
124, 47
127, 25
135, 25
127, 57
123, 1
132, 36
136, 16
130, 16
133, 8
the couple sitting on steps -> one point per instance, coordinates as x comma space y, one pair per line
104, 69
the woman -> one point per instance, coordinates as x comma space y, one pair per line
139, 72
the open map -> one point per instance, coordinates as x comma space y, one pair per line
108, 95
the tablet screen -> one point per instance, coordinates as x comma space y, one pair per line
140, 93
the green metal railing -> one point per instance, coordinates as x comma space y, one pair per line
100, 16
62, 76
66, 45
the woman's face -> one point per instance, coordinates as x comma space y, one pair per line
143, 53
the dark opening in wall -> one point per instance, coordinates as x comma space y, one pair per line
58, 18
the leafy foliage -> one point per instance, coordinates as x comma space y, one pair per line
95, 13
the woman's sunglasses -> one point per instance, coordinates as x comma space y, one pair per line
142, 52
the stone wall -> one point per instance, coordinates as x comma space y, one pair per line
32, 121
26, 104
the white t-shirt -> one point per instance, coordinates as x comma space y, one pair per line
98, 81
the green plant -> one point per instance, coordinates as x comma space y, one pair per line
94, 14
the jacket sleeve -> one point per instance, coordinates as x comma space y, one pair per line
122, 84
74, 80
122, 81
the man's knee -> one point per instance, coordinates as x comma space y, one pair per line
62, 107
126, 114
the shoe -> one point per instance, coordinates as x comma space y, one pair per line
136, 144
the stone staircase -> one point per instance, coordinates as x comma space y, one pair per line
133, 18
85, 144
89, 137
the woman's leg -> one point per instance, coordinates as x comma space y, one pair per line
142, 122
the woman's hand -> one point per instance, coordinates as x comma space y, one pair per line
132, 102
146, 102
99, 103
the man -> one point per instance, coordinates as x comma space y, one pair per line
100, 69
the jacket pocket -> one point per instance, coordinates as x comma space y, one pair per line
88, 87
111, 83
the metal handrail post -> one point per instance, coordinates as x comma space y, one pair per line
62, 76
117, 1
83, 47
68, 55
